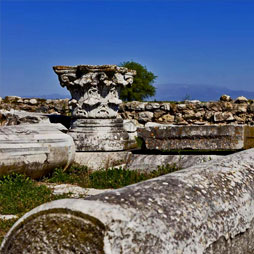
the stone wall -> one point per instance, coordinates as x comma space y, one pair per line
15, 110
35, 105
224, 111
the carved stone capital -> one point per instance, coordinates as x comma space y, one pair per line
94, 88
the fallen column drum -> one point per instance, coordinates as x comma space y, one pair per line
34, 149
207, 208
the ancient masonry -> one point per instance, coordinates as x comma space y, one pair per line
225, 111
94, 105
205, 209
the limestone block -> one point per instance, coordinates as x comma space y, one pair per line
139, 106
251, 108
99, 135
208, 115
165, 106
205, 209
179, 119
33, 101
240, 119
152, 106
228, 106
241, 108
148, 163
199, 114
181, 107
168, 118
34, 149
102, 160
241, 99
195, 137
223, 116
135, 105
189, 114
129, 126
225, 97
213, 106
12, 98
158, 114
145, 116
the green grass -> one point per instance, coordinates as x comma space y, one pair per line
103, 179
5, 225
19, 194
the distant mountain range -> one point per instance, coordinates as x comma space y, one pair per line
179, 92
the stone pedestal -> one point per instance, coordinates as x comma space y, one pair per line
99, 135
95, 100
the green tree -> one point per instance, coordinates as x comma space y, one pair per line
142, 87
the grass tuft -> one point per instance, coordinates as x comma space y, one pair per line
20, 194
5, 225
111, 178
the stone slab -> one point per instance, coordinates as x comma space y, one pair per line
101, 160
196, 137
148, 162
205, 209
34, 149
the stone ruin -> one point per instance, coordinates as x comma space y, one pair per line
95, 101
206, 208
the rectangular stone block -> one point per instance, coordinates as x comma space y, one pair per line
102, 160
194, 137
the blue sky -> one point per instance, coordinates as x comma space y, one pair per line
182, 42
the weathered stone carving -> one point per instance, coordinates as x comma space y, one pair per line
95, 100
94, 89
166, 137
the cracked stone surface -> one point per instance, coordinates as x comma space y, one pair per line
73, 190
34, 149
194, 137
94, 88
148, 163
207, 208
95, 101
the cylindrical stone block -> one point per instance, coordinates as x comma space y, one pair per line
34, 149
208, 208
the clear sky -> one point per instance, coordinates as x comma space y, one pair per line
205, 42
